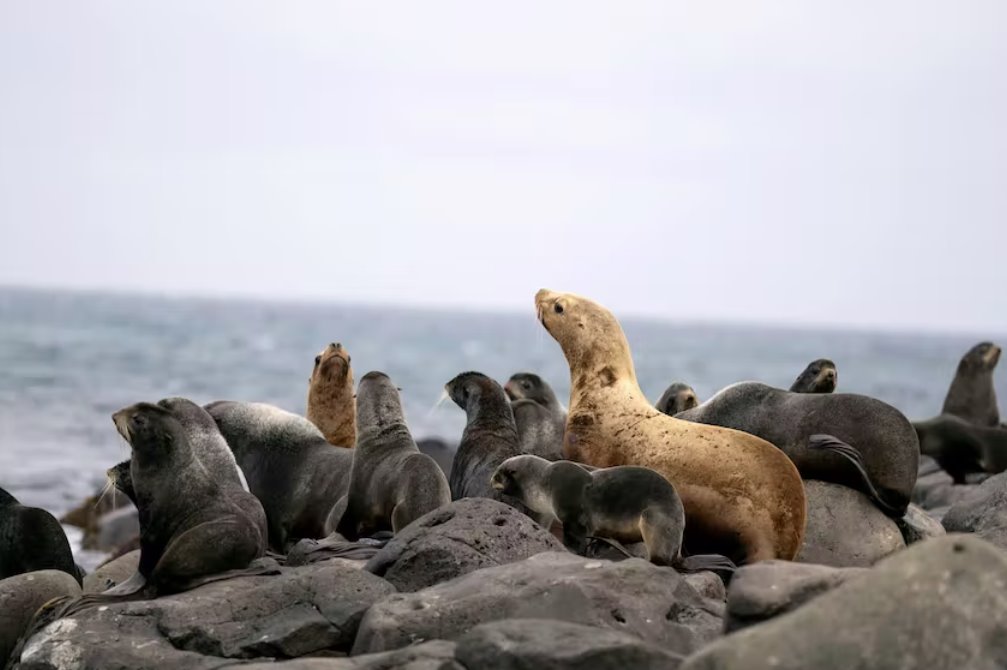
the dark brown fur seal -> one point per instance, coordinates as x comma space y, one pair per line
540, 418
842, 438
391, 483
330, 396
624, 503
743, 497
677, 398
961, 447
31, 539
820, 376
972, 395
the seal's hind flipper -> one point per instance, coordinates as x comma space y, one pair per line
851, 454
711, 562
612, 543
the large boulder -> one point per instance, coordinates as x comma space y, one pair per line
939, 605
112, 573
654, 603
22, 595
767, 589
984, 512
298, 612
457, 539
917, 525
845, 529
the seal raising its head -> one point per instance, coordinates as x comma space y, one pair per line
677, 398
538, 414
819, 377
330, 396
971, 395
743, 497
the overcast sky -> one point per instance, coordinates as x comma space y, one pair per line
808, 162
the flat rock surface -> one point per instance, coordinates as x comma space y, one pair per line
845, 529
653, 603
457, 539
984, 512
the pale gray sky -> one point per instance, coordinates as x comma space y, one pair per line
803, 162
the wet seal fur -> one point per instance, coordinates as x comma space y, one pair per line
961, 447
820, 376
843, 438
540, 418
31, 539
330, 396
971, 395
290, 467
624, 503
743, 497
391, 482
677, 398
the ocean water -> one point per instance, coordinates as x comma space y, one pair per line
69, 360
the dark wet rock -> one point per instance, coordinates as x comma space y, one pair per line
298, 612
519, 644
918, 525
767, 589
939, 605
22, 595
656, 604
457, 539
984, 512
845, 529
434, 655
112, 573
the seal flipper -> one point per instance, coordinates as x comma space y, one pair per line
850, 453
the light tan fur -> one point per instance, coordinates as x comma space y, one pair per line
331, 406
736, 488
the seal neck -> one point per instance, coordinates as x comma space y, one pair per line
7, 499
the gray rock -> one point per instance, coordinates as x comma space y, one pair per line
433, 655
984, 512
112, 573
767, 589
525, 644
633, 596
918, 525
298, 612
20, 597
457, 539
116, 529
937, 490
707, 584
939, 605
845, 529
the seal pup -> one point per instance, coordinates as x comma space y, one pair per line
191, 526
538, 414
743, 497
971, 395
843, 438
626, 503
290, 467
31, 539
391, 482
677, 398
820, 376
961, 447
330, 396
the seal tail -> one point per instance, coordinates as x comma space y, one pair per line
850, 453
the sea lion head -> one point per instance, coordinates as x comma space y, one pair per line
677, 398
820, 376
153, 432
466, 388
590, 336
378, 402
983, 357
524, 477
529, 386
332, 368
121, 478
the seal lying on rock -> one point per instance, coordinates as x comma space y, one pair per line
330, 396
31, 539
842, 438
290, 467
961, 447
972, 395
538, 414
625, 503
820, 376
677, 398
391, 482
743, 497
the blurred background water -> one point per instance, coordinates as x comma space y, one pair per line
68, 360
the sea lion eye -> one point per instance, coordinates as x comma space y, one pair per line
558, 308
318, 359
526, 385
